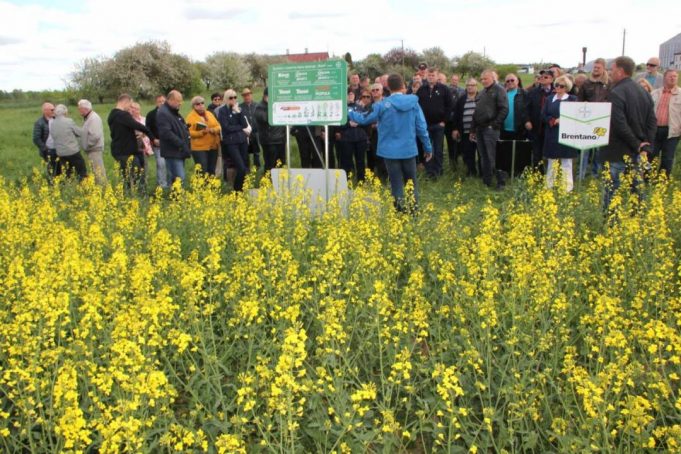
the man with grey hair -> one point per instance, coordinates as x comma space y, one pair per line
65, 134
490, 113
652, 74
93, 140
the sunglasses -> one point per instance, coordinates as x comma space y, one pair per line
652, 65
510, 80
217, 99
199, 103
375, 89
232, 97
560, 86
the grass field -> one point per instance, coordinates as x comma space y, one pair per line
520, 320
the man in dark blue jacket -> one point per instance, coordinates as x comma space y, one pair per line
436, 102
536, 98
174, 136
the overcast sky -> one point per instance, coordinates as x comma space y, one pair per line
41, 40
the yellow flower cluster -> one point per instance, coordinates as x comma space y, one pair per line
230, 323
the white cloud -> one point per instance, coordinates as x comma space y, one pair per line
40, 45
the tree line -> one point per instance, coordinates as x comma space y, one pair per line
149, 68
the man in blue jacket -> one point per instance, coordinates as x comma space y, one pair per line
400, 120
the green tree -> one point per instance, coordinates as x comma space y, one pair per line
436, 57
472, 63
373, 66
149, 68
91, 79
401, 57
503, 70
228, 70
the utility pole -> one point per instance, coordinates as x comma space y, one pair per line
624, 39
583, 57
402, 41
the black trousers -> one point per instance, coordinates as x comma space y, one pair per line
72, 163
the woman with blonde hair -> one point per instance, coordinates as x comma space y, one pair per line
235, 132
204, 131
554, 152
646, 85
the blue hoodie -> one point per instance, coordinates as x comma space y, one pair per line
400, 119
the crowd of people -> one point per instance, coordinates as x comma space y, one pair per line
480, 122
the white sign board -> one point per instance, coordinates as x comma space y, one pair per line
319, 185
584, 125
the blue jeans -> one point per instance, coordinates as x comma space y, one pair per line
666, 146
487, 147
617, 169
434, 167
399, 171
238, 154
161, 172
175, 168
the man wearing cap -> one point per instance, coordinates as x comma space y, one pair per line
536, 99
652, 74
248, 109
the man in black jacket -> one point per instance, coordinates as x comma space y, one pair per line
453, 150
489, 116
173, 135
272, 138
536, 98
436, 102
632, 124
124, 147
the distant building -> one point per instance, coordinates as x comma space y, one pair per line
525, 69
669, 51
677, 61
307, 57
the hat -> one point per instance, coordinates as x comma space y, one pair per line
546, 71
245, 92
423, 65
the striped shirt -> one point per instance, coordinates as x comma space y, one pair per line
662, 112
468, 110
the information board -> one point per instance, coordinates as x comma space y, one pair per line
584, 125
308, 93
